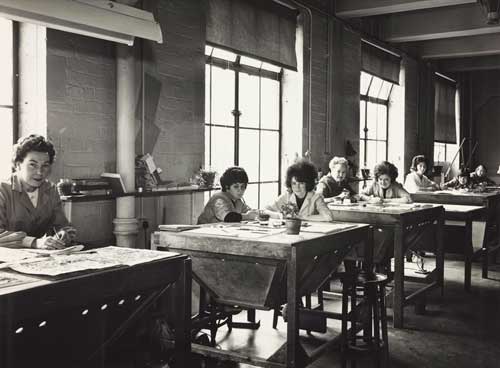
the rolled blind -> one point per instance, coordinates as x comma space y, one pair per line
444, 111
258, 28
380, 63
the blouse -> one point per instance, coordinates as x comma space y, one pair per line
17, 212
219, 206
329, 187
314, 204
414, 182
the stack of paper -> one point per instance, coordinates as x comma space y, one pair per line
177, 227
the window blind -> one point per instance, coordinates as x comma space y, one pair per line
381, 63
444, 111
257, 28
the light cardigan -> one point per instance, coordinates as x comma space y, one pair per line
414, 182
314, 204
395, 190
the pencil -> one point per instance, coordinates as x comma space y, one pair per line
56, 234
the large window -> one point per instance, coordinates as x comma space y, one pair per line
7, 95
374, 127
243, 120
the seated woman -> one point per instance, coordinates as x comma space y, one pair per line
462, 181
300, 183
29, 202
228, 205
334, 186
385, 188
478, 177
416, 179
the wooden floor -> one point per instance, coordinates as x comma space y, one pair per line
458, 330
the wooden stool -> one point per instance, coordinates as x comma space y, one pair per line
370, 312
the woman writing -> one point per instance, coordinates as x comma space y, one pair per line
29, 202
385, 188
334, 185
300, 183
228, 205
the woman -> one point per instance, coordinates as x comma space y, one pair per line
461, 182
300, 183
334, 185
385, 189
29, 202
416, 179
228, 205
479, 176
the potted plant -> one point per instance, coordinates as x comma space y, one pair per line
205, 178
290, 212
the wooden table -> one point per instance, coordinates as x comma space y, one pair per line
263, 273
490, 200
401, 219
73, 321
464, 216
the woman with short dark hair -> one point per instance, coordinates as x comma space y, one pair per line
228, 205
300, 182
385, 188
29, 203
416, 179
480, 177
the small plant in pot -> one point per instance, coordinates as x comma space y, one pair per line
290, 212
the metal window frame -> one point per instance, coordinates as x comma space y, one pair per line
261, 73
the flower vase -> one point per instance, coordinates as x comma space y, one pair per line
293, 226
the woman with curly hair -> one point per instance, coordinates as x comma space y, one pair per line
228, 205
385, 188
29, 203
300, 184
416, 179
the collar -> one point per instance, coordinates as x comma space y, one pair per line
18, 186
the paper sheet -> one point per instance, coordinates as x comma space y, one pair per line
131, 257
324, 228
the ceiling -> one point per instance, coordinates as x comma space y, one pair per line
452, 33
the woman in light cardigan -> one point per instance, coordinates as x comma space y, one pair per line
385, 188
300, 183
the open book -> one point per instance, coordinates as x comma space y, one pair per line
115, 182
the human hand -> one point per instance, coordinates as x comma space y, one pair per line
376, 200
251, 215
67, 234
49, 242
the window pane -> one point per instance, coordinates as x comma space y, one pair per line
223, 54
5, 142
222, 149
208, 50
375, 87
381, 121
362, 111
371, 122
371, 155
222, 96
269, 158
364, 83
249, 100
271, 67
6, 62
384, 91
249, 153
251, 195
270, 103
381, 151
362, 163
245, 60
268, 194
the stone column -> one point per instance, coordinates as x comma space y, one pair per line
125, 223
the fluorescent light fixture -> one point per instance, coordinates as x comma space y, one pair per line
103, 19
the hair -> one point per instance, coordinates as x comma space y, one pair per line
304, 172
30, 143
385, 168
233, 175
463, 172
417, 160
339, 161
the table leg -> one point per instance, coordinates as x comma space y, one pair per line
440, 250
468, 251
182, 318
292, 336
399, 274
